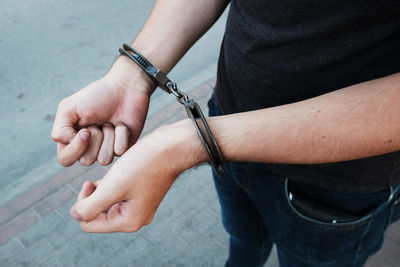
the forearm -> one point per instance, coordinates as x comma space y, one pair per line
355, 122
173, 27
358, 121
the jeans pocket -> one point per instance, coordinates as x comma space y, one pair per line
325, 215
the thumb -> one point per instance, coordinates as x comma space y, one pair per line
68, 154
63, 128
87, 189
63, 134
89, 206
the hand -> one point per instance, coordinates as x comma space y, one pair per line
108, 114
128, 196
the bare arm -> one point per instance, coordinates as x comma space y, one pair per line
358, 121
173, 27
112, 123
355, 122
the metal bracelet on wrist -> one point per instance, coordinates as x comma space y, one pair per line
193, 110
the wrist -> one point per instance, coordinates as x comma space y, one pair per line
130, 76
183, 147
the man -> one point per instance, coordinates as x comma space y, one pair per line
309, 90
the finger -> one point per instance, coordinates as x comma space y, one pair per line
63, 128
105, 195
98, 225
87, 189
112, 221
117, 219
68, 154
94, 147
106, 153
121, 139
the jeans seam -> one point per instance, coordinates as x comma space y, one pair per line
395, 201
262, 242
360, 245
244, 184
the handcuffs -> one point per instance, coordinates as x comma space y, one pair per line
193, 110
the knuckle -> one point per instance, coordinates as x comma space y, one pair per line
130, 225
83, 216
64, 162
96, 132
107, 126
94, 129
62, 104
118, 151
120, 124
133, 228
85, 161
84, 227
103, 161
54, 135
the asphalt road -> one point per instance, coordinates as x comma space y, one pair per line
48, 50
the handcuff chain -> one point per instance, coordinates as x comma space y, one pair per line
192, 108
180, 95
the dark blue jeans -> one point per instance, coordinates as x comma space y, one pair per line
258, 210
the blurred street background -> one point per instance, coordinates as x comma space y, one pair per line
49, 50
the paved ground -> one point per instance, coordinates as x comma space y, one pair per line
36, 229
49, 50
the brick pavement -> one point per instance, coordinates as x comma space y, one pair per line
36, 230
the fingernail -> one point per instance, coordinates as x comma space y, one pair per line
84, 135
75, 216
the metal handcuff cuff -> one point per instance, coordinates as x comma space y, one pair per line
193, 110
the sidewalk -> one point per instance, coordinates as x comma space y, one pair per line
36, 230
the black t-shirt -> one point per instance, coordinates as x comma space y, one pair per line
279, 52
